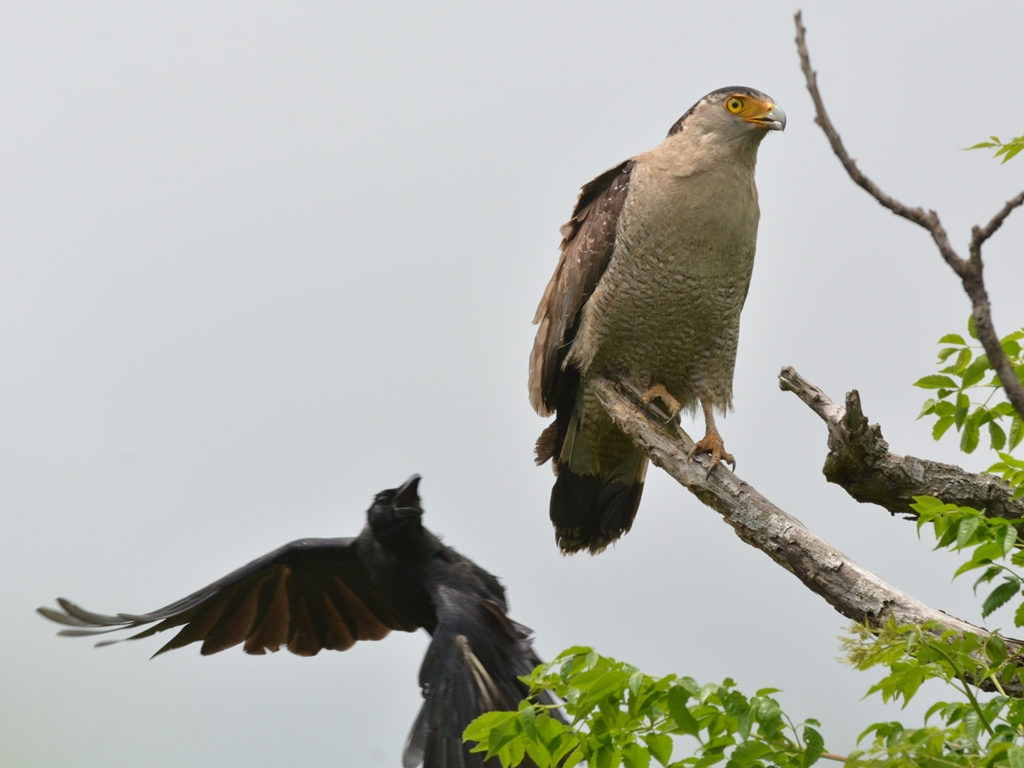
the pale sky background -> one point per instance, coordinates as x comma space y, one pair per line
259, 261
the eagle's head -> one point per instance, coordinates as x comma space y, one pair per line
735, 113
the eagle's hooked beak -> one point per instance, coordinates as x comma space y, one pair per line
774, 120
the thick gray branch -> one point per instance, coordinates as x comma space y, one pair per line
860, 462
970, 271
852, 590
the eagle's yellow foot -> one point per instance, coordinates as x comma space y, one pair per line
713, 444
658, 391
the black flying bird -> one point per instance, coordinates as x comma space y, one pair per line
329, 593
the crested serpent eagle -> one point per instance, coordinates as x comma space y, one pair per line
654, 269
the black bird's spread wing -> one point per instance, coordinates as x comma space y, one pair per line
308, 595
472, 666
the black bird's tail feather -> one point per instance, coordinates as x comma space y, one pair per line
472, 667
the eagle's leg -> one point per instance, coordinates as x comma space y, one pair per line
712, 442
658, 391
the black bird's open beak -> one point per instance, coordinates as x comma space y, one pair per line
407, 499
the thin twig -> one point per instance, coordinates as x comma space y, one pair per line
969, 271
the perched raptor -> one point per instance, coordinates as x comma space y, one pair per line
654, 269
314, 594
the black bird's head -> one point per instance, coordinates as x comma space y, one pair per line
396, 513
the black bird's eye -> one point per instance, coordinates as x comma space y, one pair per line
734, 104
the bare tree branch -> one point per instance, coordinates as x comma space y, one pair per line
860, 462
852, 590
970, 271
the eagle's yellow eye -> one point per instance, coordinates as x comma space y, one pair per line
734, 105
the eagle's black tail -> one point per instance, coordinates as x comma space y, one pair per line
590, 512
600, 480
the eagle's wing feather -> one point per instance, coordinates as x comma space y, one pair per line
308, 595
588, 240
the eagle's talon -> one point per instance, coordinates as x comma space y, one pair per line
714, 445
659, 392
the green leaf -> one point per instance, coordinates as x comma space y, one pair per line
963, 407
685, 721
941, 426
660, 746
986, 578
606, 757
575, 758
971, 330
1009, 672
527, 718
972, 723
965, 530
997, 436
815, 747
1012, 150
1016, 432
971, 435
569, 742
612, 681
995, 649
501, 733
635, 681
635, 756
749, 751
962, 361
479, 729
1015, 755
935, 381
1000, 596
953, 338
1009, 539
975, 372
516, 752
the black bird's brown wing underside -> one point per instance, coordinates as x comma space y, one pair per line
309, 595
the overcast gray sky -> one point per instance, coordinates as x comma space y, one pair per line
259, 261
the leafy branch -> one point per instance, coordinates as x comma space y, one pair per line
967, 374
621, 716
970, 270
1006, 150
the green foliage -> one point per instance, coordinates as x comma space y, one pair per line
968, 373
968, 732
992, 539
1012, 471
1005, 149
620, 716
